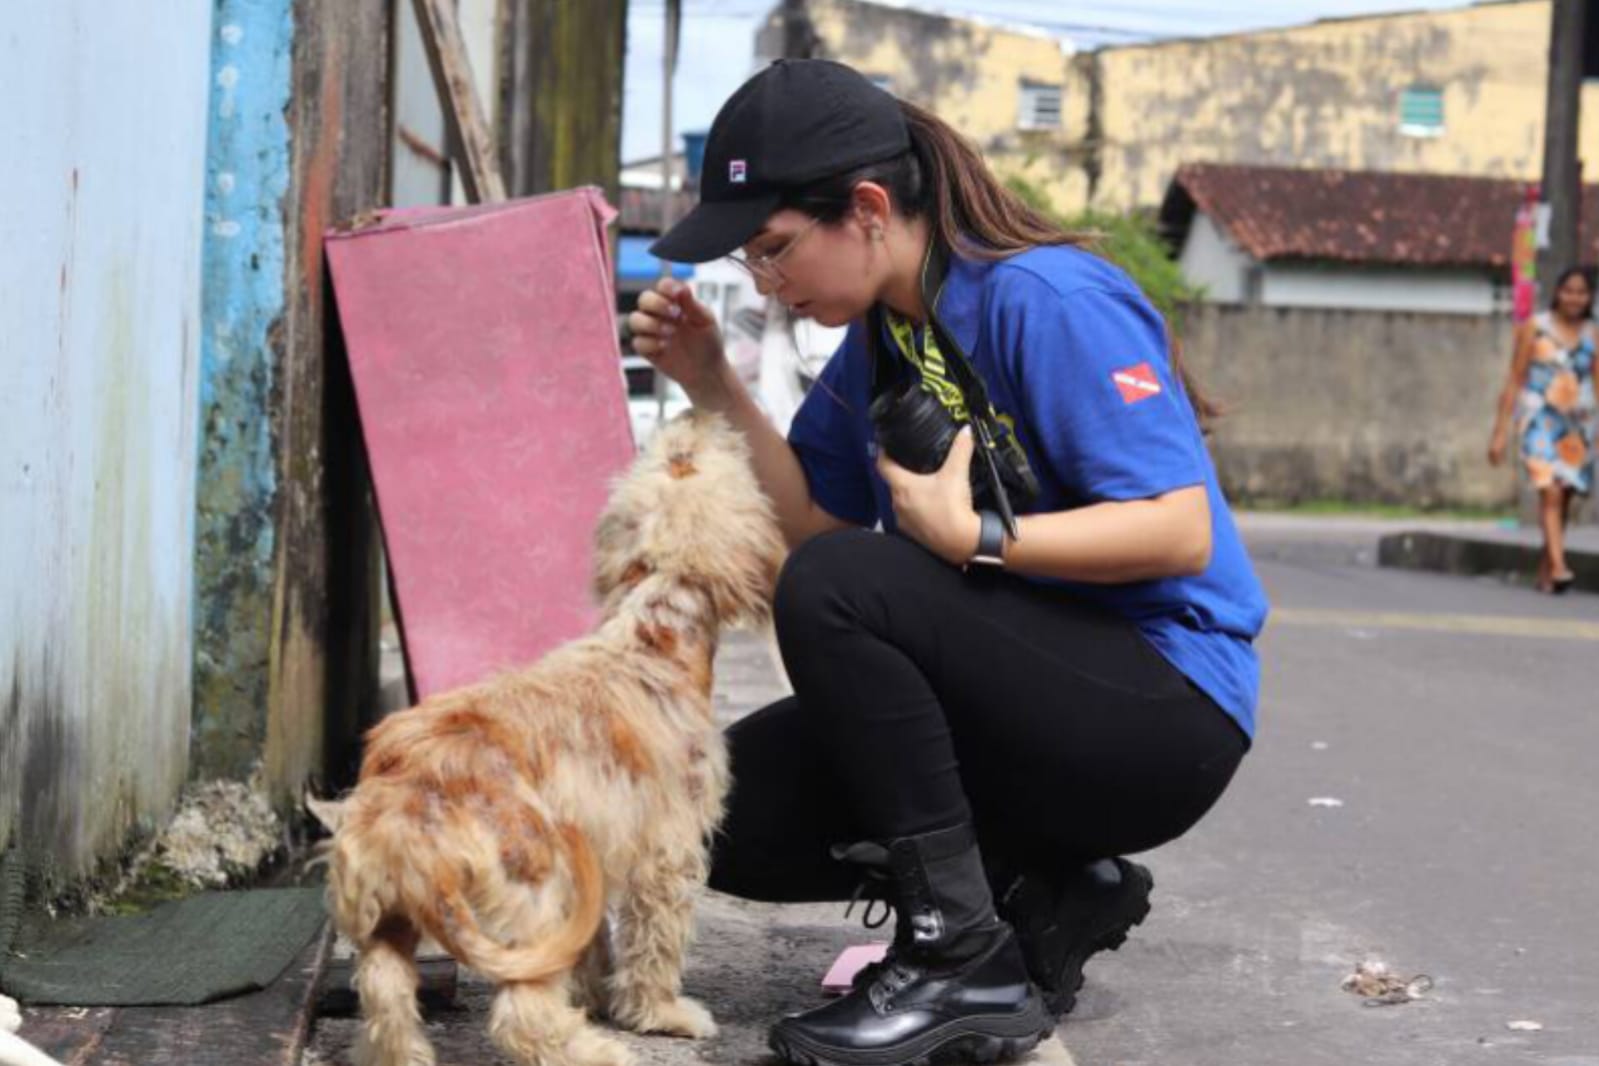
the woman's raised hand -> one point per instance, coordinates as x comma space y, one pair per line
677, 334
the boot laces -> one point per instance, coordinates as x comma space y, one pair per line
873, 860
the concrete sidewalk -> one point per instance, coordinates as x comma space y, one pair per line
1511, 554
1446, 546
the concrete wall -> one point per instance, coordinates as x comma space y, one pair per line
1354, 405
105, 131
1327, 95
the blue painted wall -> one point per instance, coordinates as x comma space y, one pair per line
247, 177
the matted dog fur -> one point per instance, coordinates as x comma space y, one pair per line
506, 819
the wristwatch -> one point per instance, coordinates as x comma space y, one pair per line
990, 541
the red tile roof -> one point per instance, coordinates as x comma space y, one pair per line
1359, 216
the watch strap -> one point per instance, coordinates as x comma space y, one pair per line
990, 540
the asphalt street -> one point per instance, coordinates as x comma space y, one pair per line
1422, 791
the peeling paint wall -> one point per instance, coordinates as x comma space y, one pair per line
247, 176
285, 639
971, 75
100, 331
1327, 95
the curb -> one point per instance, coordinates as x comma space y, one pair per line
1453, 554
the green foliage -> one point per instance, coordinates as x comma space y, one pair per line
1129, 241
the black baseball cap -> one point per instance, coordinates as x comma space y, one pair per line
795, 122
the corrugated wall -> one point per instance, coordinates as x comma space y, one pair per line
105, 129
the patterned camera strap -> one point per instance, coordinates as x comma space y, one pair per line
923, 351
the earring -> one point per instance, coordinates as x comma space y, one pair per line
877, 233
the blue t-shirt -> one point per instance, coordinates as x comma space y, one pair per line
1073, 352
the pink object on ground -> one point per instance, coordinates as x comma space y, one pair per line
849, 963
483, 346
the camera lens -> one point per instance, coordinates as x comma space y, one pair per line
913, 428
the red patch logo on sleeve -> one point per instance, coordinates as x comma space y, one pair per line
1136, 382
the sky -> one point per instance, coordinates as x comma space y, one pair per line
718, 41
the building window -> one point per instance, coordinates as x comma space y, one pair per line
882, 81
1421, 111
1040, 107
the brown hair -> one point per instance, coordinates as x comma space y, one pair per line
944, 179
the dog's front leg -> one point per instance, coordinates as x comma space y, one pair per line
654, 922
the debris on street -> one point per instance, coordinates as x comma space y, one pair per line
1381, 988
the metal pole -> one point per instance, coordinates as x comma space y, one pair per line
1562, 191
674, 20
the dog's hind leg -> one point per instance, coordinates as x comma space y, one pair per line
655, 920
591, 977
534, 1023
387, 979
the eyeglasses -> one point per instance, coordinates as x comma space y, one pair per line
764, 267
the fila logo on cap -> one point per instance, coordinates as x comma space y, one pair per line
737, 171
1136, 382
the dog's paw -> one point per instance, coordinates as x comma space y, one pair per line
590, 1048
679, 1017
10, 1015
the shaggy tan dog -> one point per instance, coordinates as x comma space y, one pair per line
504, 820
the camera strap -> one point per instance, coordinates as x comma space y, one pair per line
987, 429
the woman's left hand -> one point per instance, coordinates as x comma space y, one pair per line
935, 510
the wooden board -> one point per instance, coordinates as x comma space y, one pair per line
470, 136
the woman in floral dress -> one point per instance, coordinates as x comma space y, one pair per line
1551, 390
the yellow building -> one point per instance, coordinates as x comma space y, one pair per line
1458, 91
1004, 86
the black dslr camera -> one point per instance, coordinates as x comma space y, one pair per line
916, 430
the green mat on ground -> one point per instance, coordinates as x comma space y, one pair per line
184, 953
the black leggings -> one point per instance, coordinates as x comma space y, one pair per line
927, 696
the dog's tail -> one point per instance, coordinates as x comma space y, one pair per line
364, 887
452, 922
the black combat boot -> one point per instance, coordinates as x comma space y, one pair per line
1064, 919
953, 983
